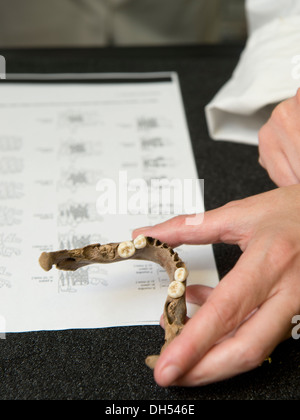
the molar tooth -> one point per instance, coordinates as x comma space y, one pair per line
176, 289
180, 274
126, 249
140, 242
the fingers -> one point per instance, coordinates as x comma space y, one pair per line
285, 124
213, 228
174, 231
248, 348
198, 294
279, 169
279, 144
274, 160
228, 305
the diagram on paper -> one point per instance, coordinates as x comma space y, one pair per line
71, 282
73, 214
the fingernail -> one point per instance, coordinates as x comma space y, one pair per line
138, 231
169, 374
143, 228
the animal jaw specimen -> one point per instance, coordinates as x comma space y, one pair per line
142, 248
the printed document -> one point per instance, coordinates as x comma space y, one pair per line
63, 140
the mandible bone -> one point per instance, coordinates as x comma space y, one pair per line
142, 248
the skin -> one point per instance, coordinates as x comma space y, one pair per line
250, 312
279, 143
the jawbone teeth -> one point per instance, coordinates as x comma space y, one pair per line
151, 250
126, 249
176, 289
140, 242
180, 274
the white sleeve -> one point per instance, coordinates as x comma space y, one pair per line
268, 72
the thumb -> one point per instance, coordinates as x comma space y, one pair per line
211, 227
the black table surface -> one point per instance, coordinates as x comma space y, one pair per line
108, 364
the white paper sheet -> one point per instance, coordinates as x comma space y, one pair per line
57, 141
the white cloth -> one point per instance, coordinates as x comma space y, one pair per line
268, 72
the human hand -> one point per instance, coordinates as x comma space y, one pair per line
250, 311
279, 143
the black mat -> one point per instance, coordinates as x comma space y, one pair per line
108, 364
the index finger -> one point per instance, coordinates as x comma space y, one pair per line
212, 228
228, 305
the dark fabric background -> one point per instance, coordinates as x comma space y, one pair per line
108, 364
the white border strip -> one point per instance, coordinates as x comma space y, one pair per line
87, 76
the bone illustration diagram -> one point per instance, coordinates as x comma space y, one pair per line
73, 214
